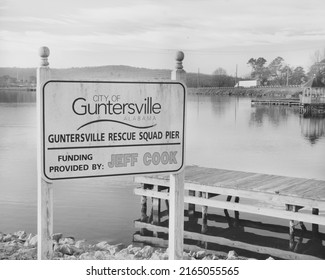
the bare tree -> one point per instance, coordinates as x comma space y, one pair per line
317, 56
317, 68
220, 71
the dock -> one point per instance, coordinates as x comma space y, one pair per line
279, 101
297, 200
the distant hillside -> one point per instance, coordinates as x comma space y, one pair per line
112, 72
20, 73
120, 72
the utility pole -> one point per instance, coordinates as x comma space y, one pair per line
198, 78
236, 74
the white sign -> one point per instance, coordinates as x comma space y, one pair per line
101, 128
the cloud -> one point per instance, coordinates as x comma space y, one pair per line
205, 27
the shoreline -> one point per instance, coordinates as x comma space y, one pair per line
292, 92
24, 96
23, 246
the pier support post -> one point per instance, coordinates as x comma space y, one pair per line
315, 227
204, 214
176, 195
292, 243
291, 228
44, 188
156, 207
236, 213
144, 217
191, 207
155, 210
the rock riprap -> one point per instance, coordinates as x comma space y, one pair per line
22, 246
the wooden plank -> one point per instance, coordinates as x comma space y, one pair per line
188, 168
278, 198
233, 175
273, 182
201, 175
258, 210
268, 197
249, 247
231, 178
281, 188
244, 178
268, 180
151, 193
250, 182
261, 226
242, 207
176, 216
156, 208
231, 243
316, 190
209, 179
152, 180
301, 189
257, 182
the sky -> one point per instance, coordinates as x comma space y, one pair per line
147, 33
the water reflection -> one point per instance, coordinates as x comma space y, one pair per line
272, 114
258, 238
312, 128
223, 132
221, 104
17, 96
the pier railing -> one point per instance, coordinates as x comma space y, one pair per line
274, 196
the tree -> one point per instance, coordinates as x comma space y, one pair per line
286, 73
223, 81
317, 56
257, 63
318, 64
276, 68
276, 65
259, 71
298, 76
220, 71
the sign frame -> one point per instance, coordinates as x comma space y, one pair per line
43, 92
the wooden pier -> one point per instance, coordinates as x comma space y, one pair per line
312, 101
295, 199
279, 101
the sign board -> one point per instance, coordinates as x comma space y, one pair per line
104, 128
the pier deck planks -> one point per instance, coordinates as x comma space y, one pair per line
276, 196
279, 189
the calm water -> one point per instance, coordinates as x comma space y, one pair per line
222, 132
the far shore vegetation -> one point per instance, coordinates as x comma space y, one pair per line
274, 73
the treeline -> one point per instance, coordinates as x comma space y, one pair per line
278, 72
275, 73
194, 80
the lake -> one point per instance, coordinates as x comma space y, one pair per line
222, 132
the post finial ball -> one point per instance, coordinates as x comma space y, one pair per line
44, 51
179, 56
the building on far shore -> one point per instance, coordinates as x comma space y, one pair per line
312, 98
248, 83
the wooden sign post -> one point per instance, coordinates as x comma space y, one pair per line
97, 128
176, 190
44, 188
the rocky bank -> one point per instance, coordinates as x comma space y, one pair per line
258, 92
23, 246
